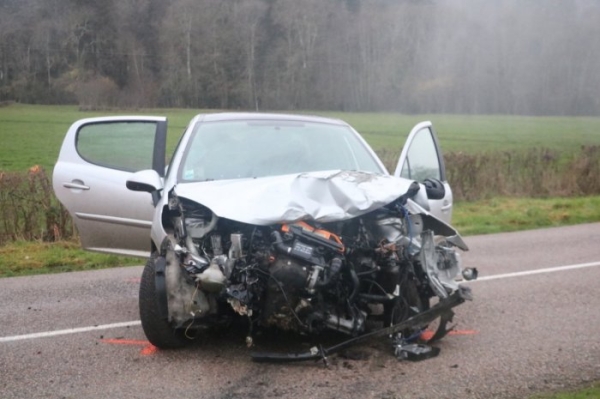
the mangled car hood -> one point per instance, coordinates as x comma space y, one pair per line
321, 196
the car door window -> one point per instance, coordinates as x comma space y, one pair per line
134, 151
422, 160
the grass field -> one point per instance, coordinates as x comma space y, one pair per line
592, 392
500, 215
32, 134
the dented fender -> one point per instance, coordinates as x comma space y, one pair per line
438, 226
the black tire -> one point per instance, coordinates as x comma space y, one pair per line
401, 308
157, 328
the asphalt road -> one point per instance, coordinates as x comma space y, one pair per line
522, 334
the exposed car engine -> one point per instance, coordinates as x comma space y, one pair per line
306, 277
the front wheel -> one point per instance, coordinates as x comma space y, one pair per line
155, 322
410, 304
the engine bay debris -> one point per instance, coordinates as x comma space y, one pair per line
313, 262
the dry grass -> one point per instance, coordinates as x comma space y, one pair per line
533, 173
29, 210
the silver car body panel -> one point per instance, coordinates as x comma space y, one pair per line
437, 225
441, 208
326, 196
110, 218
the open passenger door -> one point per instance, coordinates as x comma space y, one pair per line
97, 157
421, 160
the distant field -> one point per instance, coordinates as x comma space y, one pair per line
32, 134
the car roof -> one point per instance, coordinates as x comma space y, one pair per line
232, 116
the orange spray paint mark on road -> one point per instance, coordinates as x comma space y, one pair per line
427, 335
134, 280
148, 348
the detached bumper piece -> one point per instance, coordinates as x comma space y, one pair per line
411, 353
416, 352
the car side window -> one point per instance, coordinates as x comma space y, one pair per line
126, 146
422, 160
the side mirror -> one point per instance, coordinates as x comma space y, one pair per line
435, 189
145, 180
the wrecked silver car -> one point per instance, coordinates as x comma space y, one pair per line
288, 221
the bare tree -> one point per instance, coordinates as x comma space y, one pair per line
506, 56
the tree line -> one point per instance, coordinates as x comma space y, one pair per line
412, 56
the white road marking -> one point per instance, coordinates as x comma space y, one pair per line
137, 322
70, 331
536, 271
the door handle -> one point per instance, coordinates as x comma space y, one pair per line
76, 186
446, 206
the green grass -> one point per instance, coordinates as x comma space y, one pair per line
32, 134
592, 392
513, 214
24, 258
475, 133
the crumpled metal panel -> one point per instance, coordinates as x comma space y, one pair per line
324, 196
435, 224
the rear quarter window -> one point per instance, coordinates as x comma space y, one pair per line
126, 146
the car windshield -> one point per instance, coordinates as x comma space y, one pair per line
257, 148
